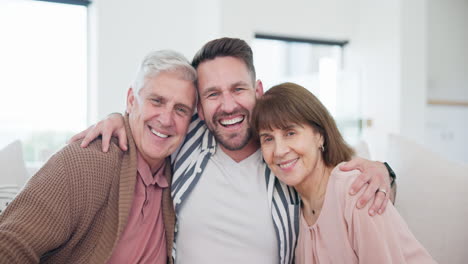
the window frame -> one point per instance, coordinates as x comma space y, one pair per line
330, 42
70, 2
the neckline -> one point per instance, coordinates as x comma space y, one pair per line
255, 155
324, 206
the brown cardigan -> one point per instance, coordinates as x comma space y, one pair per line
74, 209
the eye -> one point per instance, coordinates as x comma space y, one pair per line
182, 110
156, 101
212, 94
290, 133
238, 89
267, 139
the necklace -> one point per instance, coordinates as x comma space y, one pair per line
315, 196
314, 209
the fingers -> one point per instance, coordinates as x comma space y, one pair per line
106, 128
121, 135
380, 202
359, 183
368, 194
106, 138
107, 132
78, 136
384, 204
355, 163
92, 133
375, 175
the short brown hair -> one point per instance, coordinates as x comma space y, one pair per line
226, 47
288, 103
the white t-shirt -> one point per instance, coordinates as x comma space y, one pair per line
226, 218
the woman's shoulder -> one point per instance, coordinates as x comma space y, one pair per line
343, 179
340, 184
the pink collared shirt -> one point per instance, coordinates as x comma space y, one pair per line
143, 240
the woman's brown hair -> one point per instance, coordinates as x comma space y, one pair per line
289, 103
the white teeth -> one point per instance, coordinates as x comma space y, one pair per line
158, 134
287, 165
232, 121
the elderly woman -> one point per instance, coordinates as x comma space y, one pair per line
303, 147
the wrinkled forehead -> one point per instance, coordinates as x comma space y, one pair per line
223, 72
171, 88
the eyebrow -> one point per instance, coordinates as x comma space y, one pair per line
216, 88
163, 101
292, 126
185, 106
264, 134
239, 83
211, 89
157, 96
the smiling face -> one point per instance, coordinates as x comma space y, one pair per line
292, 153
159, 115
227, 97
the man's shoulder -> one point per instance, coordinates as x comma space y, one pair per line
92, 154
197, 141
82, 168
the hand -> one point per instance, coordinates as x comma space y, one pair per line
376, 175
113, 125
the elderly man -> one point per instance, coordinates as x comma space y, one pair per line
85, 206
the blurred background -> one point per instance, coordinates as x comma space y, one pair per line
381, 67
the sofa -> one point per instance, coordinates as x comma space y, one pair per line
13, 172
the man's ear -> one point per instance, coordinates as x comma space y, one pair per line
258, 89
130, 99
200, 110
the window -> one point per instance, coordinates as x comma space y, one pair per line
318, 66
43, 71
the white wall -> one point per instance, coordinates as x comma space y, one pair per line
446, 127
413, 43
376, 55
127, 30
448, 49
320, 19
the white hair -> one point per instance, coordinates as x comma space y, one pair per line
163, 61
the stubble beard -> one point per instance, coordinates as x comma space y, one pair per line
227, 140
231, 141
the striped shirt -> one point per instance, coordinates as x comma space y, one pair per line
189, 162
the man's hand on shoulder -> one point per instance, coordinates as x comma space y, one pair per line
375, 176
112, 126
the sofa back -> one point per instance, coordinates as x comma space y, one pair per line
432, 197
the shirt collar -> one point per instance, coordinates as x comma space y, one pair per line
148, 178
208, 141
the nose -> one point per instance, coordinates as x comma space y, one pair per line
229, 103
281, 148
166, 118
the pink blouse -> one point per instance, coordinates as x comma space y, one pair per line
345, 234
